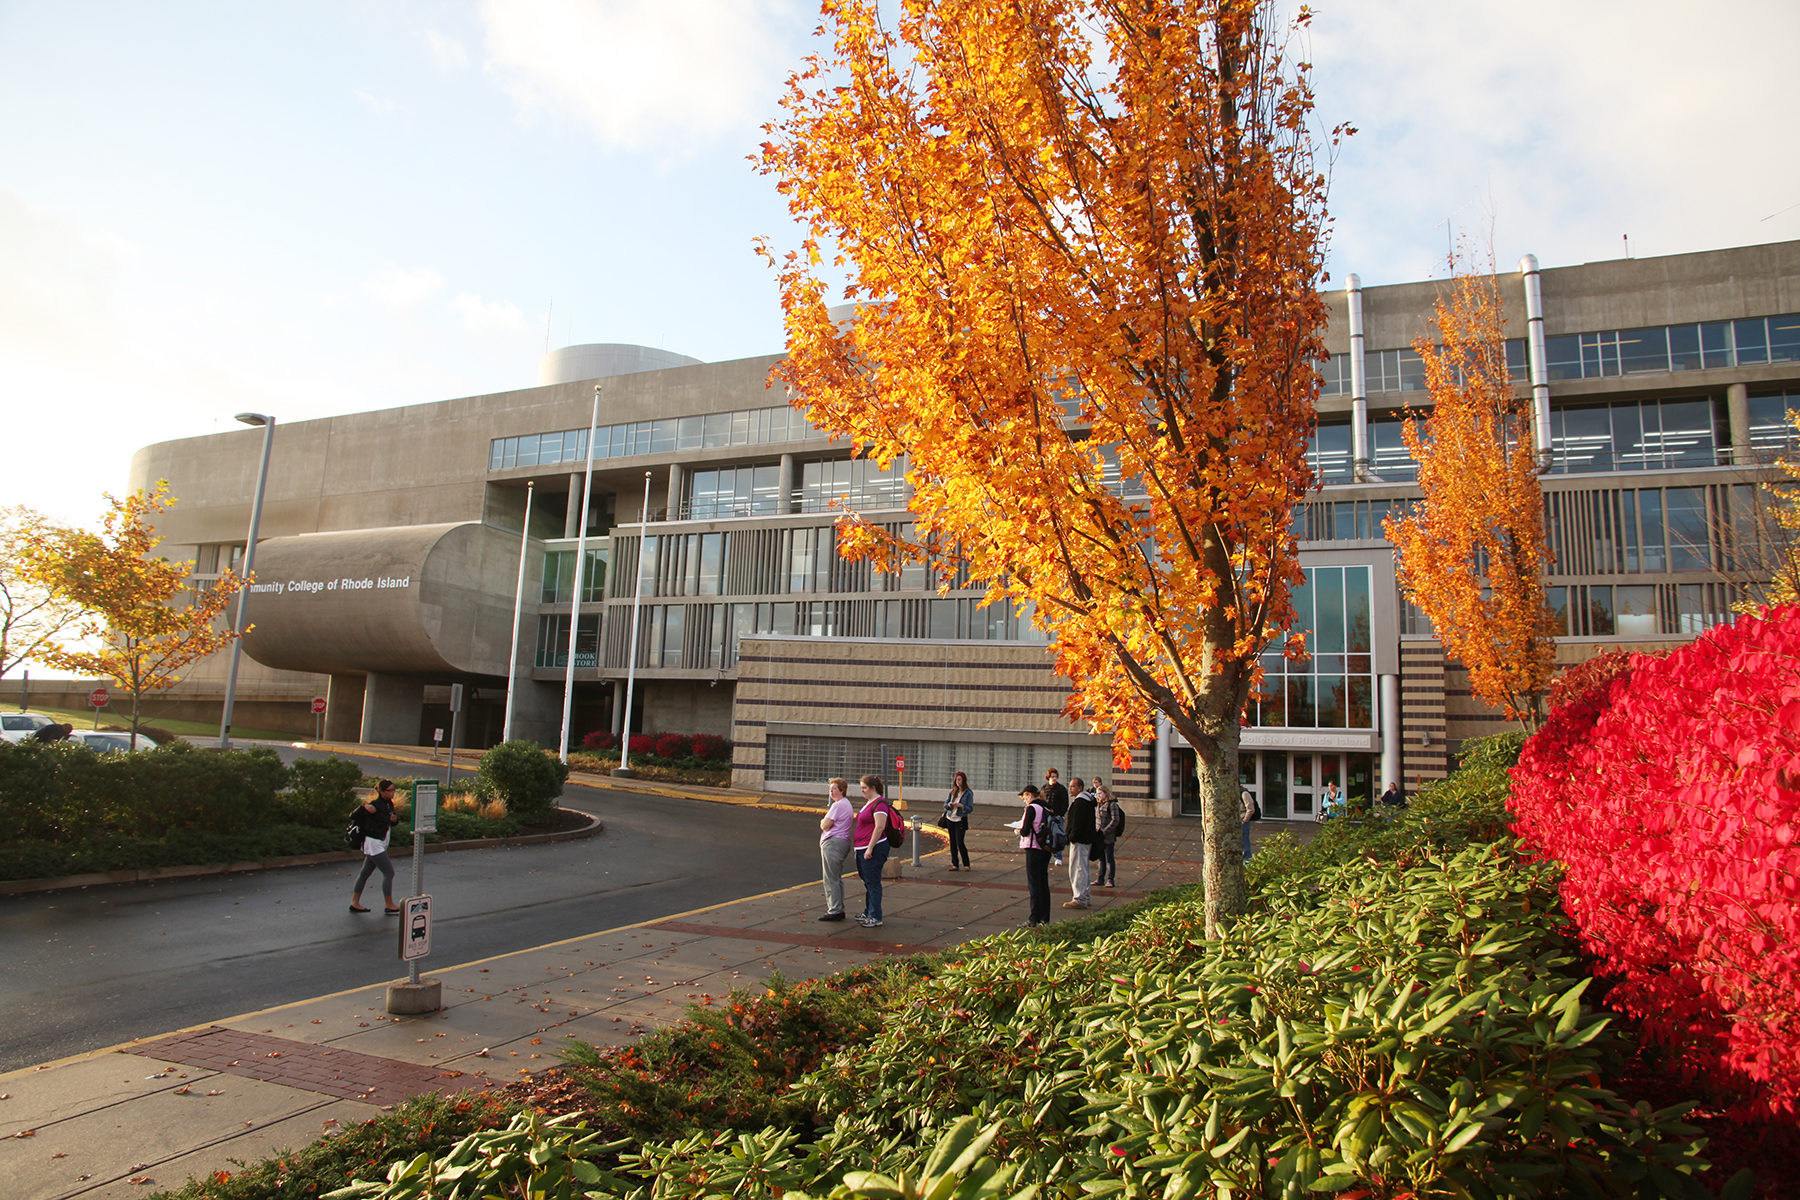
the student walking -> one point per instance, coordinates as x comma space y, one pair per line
375, 819
1081, 842
957, 807
872, 847
1037, 859
835, 830
1110, 819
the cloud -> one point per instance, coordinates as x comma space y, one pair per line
376, 104
642, 72
402, 287
1571, 124
57, 291
446, 51
482, 316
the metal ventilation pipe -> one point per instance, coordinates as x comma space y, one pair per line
1359, 385
1540, 371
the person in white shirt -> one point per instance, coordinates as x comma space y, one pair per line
835, 828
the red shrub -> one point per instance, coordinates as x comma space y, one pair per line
599, 740
643, 743
673, 745
1671, 794
711, 746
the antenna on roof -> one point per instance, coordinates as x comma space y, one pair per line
1627, 238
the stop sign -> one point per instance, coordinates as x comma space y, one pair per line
98, 698
318, 705
900, 763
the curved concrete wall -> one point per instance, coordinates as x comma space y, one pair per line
599, 360
432, 601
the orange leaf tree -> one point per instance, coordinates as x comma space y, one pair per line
1472, 553
146, 625
31, 615
1084, 238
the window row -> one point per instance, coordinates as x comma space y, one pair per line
753, 562
1330, 452
1721, 527
559, 577
1665, 348
1642, 610
1402, 370
747, 427
1346, 520
1638, 435
1771, 432
930, 765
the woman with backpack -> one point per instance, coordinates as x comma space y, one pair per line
1111, 823
871, 842
957, 807
376, 819
1037, 858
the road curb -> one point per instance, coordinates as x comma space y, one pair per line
21, 887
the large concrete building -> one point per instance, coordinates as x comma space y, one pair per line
391, 544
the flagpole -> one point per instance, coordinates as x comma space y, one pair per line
587, 492
637, 598
512, 670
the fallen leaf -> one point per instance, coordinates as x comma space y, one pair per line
183, 1090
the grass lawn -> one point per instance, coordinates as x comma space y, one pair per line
119, 715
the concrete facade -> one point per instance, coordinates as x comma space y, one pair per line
749, 626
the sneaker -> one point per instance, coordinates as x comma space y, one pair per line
954, 867
1075, 903
832, 917
868, 922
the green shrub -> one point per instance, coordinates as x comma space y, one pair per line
324, 791
460, 826
63, 792
528, 779
30, 793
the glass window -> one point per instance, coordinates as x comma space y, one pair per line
1586, 443
1302, 707
1655, 541
1715, 344
1518, 360
1751, 341
1684, 347
1770, 430
1334, 702
1412, 371
1600, 611
1562, 357
1687, 433
1628, 437
1784, 339
1329, 453
1687, 529
1558, 600
712, 561
688, 433
1644, 351
1393, 461
1636, 611
1328, 588
1599, 355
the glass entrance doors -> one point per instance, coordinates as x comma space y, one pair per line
1289, 784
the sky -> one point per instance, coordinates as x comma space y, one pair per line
207, 208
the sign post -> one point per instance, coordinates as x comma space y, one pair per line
98, 699
900, 801
456, 705
318, 708
437, 742
417, 995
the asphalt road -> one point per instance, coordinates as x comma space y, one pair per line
85, 969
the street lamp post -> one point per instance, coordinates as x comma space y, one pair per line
587, 499
237, 644
624, 770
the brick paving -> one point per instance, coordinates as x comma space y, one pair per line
857, 945
346, 1074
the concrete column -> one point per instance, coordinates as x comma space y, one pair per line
618, 708
537, 711
1737, 408
393, 708
1161, 764
577, 505
674, 494
1390, 730
344, 708
784, 485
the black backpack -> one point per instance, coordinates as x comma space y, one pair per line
1120, 831
1052, 832
353, 836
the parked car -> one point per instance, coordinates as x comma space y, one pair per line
19, 727
102, 741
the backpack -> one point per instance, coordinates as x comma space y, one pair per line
1052, 832
896, 830
1255, 809
1120, 831
353, 835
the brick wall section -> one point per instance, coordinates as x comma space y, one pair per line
1422, 713
922, 689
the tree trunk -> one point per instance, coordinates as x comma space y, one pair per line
1222, 823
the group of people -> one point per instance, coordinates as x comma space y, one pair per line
1091, 819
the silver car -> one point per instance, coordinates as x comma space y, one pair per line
20, 727
103, 741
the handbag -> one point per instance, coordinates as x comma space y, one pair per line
943, 822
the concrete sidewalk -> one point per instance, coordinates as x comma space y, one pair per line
145, 1116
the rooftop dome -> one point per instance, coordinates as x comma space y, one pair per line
598, 360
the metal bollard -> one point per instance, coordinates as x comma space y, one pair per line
915, 833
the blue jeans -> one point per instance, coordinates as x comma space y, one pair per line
868, 869
1247, 851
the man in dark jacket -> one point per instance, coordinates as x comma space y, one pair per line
1081, 840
